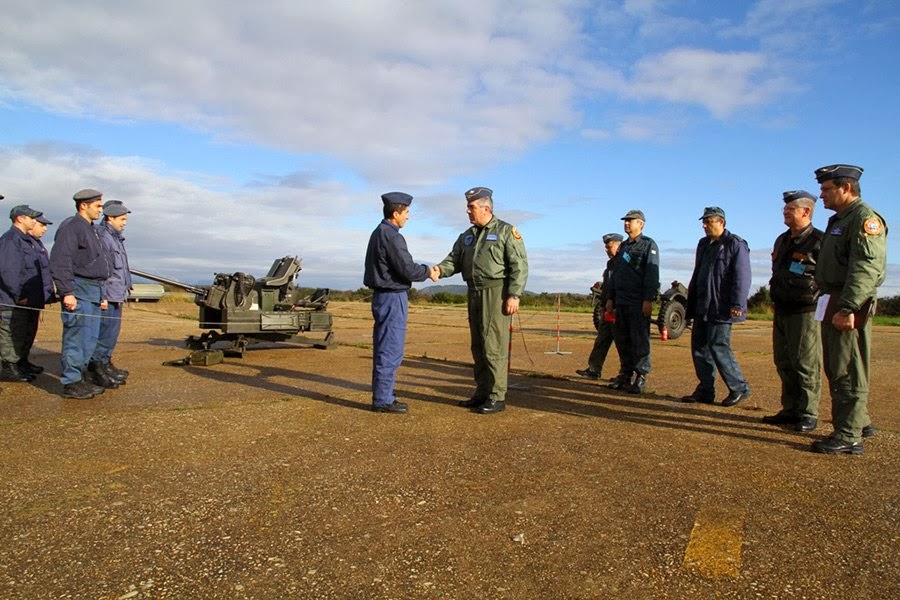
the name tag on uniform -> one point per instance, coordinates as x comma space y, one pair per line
491, 237
839, 230
797, 268
626, 257
467, 241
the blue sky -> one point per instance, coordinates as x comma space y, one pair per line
241, 132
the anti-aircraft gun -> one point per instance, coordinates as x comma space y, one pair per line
243, 310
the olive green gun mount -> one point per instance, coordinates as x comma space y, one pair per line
243, 310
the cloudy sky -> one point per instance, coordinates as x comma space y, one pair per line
240, 132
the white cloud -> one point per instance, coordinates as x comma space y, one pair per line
722, 82
398, 89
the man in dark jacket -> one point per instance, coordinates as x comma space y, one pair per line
79, 267
796, 341
634, 286
115, 293
717, 297
390, 271
21, 291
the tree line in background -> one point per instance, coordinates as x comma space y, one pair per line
759, 304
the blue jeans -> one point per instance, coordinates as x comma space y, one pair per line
81, 328
711, 351
390, 310
110, 326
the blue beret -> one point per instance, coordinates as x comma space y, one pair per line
115, 208
835, 171
713, 211
86, 195
23, 210
613, 237
634, 214
397, 198
796, 195
477, 193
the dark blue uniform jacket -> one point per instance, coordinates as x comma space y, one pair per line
389, 265
635, 275
721, 279
76, 252
20, 270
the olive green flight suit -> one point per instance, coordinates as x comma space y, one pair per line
494, 265
851, 267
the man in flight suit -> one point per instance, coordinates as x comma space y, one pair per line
851, 267
491, 257
796, 340
606, 321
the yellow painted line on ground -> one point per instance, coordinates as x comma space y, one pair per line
714, 550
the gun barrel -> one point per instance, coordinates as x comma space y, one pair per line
186, 287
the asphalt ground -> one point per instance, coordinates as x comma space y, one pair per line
267, 476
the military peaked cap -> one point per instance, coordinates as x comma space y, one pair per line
87, 195
612, 237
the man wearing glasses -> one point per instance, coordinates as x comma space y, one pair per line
796, 340
851, 267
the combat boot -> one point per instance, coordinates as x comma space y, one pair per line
10, 372
113, 373
622, 381
26, 366
121, 374
637, 386
100, 377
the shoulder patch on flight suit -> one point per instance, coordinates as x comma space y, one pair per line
516, 233
872, 226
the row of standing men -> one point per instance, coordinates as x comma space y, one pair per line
87, 271
823, 288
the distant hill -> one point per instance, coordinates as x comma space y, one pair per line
445, 289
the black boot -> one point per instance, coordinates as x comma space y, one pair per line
10, 372
26, 366
121, 374
637, 386
113, 373
99, 376
621, 382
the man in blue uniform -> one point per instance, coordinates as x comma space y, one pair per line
79, 268
20, 290
115, 293
48, 296
717, 298
390, 271
634, 286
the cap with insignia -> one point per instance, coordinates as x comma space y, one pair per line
612, 237
836, 171
634, 214
713, 211
86, 195
797, 195
476, 193
44, 220
115, 208
397, 198
23, 210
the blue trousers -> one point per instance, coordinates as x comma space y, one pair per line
81, 328
110, 326
711, 351
390, 310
